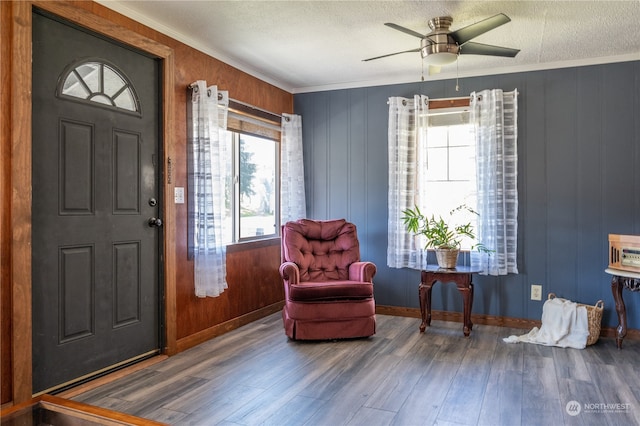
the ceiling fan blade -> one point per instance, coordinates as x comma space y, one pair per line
404, 30
472, 48
465, 34
392, 54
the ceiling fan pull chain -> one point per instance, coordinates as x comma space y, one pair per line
457, 75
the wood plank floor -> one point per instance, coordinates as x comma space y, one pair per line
256, 376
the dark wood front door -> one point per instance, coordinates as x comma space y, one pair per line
95, 249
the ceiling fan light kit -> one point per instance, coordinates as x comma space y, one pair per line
439, 54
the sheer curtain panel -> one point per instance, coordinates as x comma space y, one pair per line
208, 170
494, 114
407, 133
293, 202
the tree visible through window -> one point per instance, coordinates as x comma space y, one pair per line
251, 193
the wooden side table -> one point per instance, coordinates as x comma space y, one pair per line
461, 276
619, 280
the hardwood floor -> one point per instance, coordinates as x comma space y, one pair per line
254, 375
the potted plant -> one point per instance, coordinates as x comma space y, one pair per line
444, 237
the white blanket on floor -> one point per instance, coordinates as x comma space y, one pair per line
564, 324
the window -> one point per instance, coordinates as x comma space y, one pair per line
450, 178
98, 82
251, 195
233, 174
447, 160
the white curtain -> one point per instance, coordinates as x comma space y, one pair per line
292, 195
407, 132
494, 115
208, 116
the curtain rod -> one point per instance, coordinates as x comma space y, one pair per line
460, 98
194, 87
446, 102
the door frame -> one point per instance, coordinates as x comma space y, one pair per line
21, 151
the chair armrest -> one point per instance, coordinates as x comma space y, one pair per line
362, 271
290, 273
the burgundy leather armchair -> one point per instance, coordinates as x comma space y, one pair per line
328, 290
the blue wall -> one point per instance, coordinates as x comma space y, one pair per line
578, 181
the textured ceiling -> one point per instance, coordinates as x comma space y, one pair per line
303, 46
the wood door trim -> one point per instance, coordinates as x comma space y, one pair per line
5, 199
21, 150
21, 202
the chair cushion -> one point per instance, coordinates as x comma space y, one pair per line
323, 250
330, 290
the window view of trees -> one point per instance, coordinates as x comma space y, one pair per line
257, 185
247, 171
251, 200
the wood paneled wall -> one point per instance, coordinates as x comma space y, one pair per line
252, 269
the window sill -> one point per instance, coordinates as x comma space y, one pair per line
253, 244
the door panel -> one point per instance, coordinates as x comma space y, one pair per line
126, 173
76, 293
76, 168
95, 259
127, 286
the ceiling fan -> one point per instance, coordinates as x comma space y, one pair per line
442, 46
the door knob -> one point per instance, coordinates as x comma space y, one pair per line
155, 222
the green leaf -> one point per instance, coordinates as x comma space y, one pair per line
438, 232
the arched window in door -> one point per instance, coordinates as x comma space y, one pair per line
98, 82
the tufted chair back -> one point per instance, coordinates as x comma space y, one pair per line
323, 250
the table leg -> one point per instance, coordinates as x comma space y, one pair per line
424, 292
470, 304
616, 289
467, 298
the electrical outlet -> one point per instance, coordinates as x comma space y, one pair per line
536, 292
